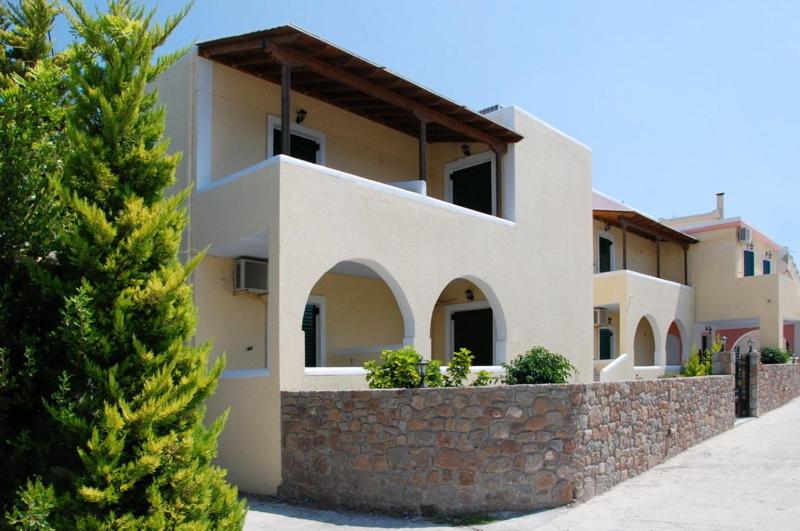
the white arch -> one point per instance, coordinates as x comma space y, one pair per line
658, 341
743, 344
498, 315
684, 337
409, 325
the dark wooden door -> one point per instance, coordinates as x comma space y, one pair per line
301, 147
472, 329
472, 187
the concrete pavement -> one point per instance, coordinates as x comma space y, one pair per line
747, 478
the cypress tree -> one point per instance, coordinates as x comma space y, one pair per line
131, 398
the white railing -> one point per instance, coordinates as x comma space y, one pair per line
618, 370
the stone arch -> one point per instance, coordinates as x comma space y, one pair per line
645, 339
485, 297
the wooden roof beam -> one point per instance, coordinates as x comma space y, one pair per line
288, 55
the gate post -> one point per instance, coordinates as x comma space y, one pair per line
755, 365
723, 363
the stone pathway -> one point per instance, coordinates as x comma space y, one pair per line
747, 478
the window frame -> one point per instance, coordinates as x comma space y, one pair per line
468, 162
274, 122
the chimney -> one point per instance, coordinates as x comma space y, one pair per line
721, 205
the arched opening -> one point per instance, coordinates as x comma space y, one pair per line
468, 315
644, 345
674, 346
748, 342
354, 311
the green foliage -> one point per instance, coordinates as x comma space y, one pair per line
398, 369
125, 401
35, 502
33, 109
773, 355
538, 366
699, 363
483, 378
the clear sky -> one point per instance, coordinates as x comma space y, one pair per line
678, 100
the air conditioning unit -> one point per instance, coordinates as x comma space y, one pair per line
600, 316
745, 234
250, 275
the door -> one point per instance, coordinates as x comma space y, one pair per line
605, 343
474, 330
471, 183
302, 147
749, 263
605, 247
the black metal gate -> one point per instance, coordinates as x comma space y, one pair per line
742, 379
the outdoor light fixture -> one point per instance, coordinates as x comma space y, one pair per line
724, 342
422, 366
301, 115
469, 295
750, 344
708, 330
465, 150
769, 255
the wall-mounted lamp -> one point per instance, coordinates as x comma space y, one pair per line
769, 255
465, 150
469, 295
709, 330
301, 115
751, 246
607, 227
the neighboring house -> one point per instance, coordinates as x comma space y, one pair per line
747, 287
399, 218
643, 306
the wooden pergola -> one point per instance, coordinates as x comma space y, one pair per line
630, 220
302, 62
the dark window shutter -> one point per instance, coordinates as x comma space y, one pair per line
767, 267
310, 317
605, 343
604, 248
749, 263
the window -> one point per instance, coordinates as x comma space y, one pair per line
749, 263
306, 144
605, 343
471, 183
314, 329
766, 266
605, 247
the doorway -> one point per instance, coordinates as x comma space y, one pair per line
470, 183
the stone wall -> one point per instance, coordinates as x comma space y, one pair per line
625, 428
490, 449
777, 384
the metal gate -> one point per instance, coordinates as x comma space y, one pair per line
742, 379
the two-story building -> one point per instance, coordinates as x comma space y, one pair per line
747, 287
643, 304
346, 210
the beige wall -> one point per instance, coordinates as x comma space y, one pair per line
644, 345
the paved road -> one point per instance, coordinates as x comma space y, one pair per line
747, 478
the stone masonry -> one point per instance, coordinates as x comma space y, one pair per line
777, 384
504, 448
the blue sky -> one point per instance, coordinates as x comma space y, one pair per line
678, 100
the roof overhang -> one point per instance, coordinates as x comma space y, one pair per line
643, 226
331, 74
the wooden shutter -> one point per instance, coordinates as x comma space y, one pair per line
606, 336
767, 267
749, 263
310, 317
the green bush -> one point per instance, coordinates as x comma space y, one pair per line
538, 366
483, 378
696, 365
398, 370
772, 355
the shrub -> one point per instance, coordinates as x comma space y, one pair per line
696, 365
483, 378
538, 366
772, 355
398, 370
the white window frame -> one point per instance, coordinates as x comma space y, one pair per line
274, 122
610, 237
613, 342
449, 310
320, 302
467, 162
